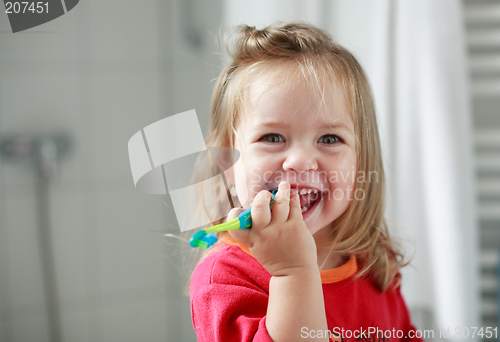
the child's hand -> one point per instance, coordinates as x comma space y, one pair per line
281, 242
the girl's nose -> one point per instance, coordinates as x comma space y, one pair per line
300, 159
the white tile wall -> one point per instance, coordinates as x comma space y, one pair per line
124, 29
53, 41
38, 102
23, 278
123, 103
101, 72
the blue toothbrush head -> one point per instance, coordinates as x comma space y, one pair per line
202, 239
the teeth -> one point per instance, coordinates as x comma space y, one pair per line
306, 207
308, 191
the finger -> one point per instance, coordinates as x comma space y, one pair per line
281, 205
234, 213
242, 235
295, 211
261, 214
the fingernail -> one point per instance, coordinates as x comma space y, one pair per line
282, 183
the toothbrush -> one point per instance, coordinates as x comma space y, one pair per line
206, 238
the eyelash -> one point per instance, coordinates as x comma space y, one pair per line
339, 139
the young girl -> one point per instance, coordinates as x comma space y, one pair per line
320, 264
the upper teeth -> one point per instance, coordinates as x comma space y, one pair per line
308, 191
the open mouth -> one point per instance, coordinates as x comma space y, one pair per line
308, 198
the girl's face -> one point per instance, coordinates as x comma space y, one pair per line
287, 135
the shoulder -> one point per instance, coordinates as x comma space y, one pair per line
229, 265
229, 293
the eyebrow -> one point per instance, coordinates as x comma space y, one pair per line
281, 124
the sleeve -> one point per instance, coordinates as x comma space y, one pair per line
226, 304
226, 313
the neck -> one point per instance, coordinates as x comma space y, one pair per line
326, 259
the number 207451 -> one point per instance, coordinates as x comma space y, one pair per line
25, 7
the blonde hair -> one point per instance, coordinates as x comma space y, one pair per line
310, 52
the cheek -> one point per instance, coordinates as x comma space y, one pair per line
257, 174
240, 173
241, 180
248, 178
341, 171
259, 171
347, 171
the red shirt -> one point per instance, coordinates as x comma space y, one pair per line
230, 292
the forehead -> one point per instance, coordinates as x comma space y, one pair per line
284, 93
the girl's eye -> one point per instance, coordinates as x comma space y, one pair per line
330, 139
273, 138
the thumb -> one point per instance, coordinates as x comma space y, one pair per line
241, 235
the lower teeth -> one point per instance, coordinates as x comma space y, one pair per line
305, 208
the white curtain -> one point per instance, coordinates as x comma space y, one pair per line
420, 78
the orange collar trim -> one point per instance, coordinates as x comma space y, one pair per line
340, 273
327, 276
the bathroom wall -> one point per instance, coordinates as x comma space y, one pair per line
99, 73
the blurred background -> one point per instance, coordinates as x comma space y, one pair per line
83, 255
